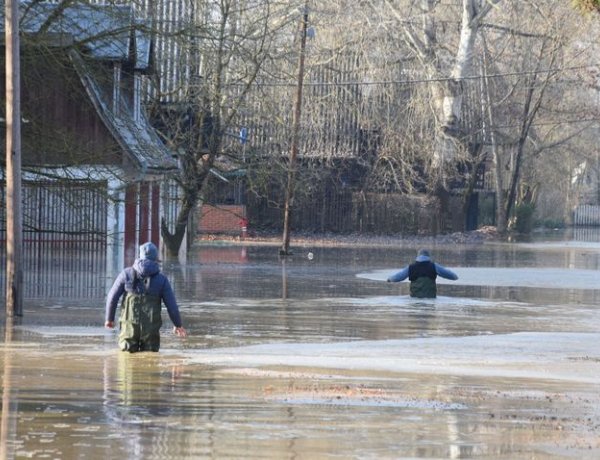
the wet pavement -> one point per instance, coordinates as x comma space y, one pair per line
316, 356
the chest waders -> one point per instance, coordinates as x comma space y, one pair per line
423, 288
422, 276
140, 322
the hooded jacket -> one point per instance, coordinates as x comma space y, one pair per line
422, 274
153, 283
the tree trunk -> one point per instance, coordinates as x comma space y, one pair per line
174, 240
450, 94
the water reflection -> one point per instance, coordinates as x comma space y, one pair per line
156, 406
80, 271
58, 270
140, 394
333, 272
319, 357
9, 403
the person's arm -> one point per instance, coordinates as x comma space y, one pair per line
400, 276
168, 297
445, 272
112, 300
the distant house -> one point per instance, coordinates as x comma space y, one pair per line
93, 166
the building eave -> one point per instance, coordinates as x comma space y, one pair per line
137, 138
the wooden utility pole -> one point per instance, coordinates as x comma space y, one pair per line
14, 216
289, 193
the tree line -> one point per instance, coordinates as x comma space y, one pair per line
412, 88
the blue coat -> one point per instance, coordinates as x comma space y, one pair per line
439, 269
159, 286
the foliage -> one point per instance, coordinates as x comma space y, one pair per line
587, 5
524, 218
487, 210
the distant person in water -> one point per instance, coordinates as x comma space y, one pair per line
143, 288
422, 275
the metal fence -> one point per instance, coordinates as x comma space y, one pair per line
354, 212
586, 215
64, 239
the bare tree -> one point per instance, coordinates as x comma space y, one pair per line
535, 104
222, 47
442, 37
408, 88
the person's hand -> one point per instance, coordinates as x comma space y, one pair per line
109, 324
180, 331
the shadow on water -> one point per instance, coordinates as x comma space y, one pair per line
317, 356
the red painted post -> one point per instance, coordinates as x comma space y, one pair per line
244, 227
130, 224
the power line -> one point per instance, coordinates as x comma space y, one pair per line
550, 123
429, 80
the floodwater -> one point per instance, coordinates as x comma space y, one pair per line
316, 356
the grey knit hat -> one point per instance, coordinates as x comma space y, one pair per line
149, 251
423, 255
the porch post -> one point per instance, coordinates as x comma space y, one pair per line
131, 223
144, 230
155, 216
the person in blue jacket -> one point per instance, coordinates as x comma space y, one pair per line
422, 275
143, 288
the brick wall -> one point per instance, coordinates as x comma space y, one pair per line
223, 255
221, 219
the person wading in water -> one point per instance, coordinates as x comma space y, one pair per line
422, 275
144, 289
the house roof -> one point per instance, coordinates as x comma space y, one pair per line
106, 33
144, 49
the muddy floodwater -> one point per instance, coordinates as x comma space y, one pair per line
317, 356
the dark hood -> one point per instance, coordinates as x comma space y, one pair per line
146, 267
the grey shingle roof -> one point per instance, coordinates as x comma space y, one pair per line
104, 32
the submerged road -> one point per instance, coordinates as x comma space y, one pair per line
320, 358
